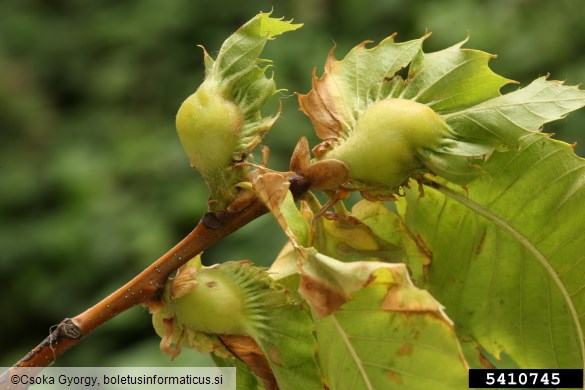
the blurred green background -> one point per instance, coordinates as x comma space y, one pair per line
94, 184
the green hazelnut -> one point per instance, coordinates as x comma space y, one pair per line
212, 303
382, 149
208, 125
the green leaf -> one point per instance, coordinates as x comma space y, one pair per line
349, 87
388, 225
452, 79
376, 329
346, 238
239, 53
469, 117
298, 225
284, 268
508, 252
509, 117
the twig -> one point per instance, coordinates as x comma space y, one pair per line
147, 286
144, 288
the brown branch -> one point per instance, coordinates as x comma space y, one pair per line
144, 288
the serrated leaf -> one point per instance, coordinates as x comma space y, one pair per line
456, 83
452, 79
508, 117
508, 253
239, 53
385, 329
238, 76
349, 86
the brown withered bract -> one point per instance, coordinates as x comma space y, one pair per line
329, 174
248, 351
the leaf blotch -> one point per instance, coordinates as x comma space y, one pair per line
485, 362
323, 299
405, 350
407, 300
481, 241
394, 377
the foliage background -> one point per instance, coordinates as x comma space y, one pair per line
94, 184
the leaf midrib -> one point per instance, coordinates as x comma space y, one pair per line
352, 351
525, 242
485, 106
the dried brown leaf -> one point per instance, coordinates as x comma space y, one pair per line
301, 156
327, 174
184, 281
320, 107
246, 349
272, 188
166, 342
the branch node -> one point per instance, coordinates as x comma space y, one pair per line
215, 220
212, 221
68, 329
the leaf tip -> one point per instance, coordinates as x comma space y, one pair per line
367, 42
330, 58
272, 27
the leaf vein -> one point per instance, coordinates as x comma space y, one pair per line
437, 80
352, 352
525, 242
